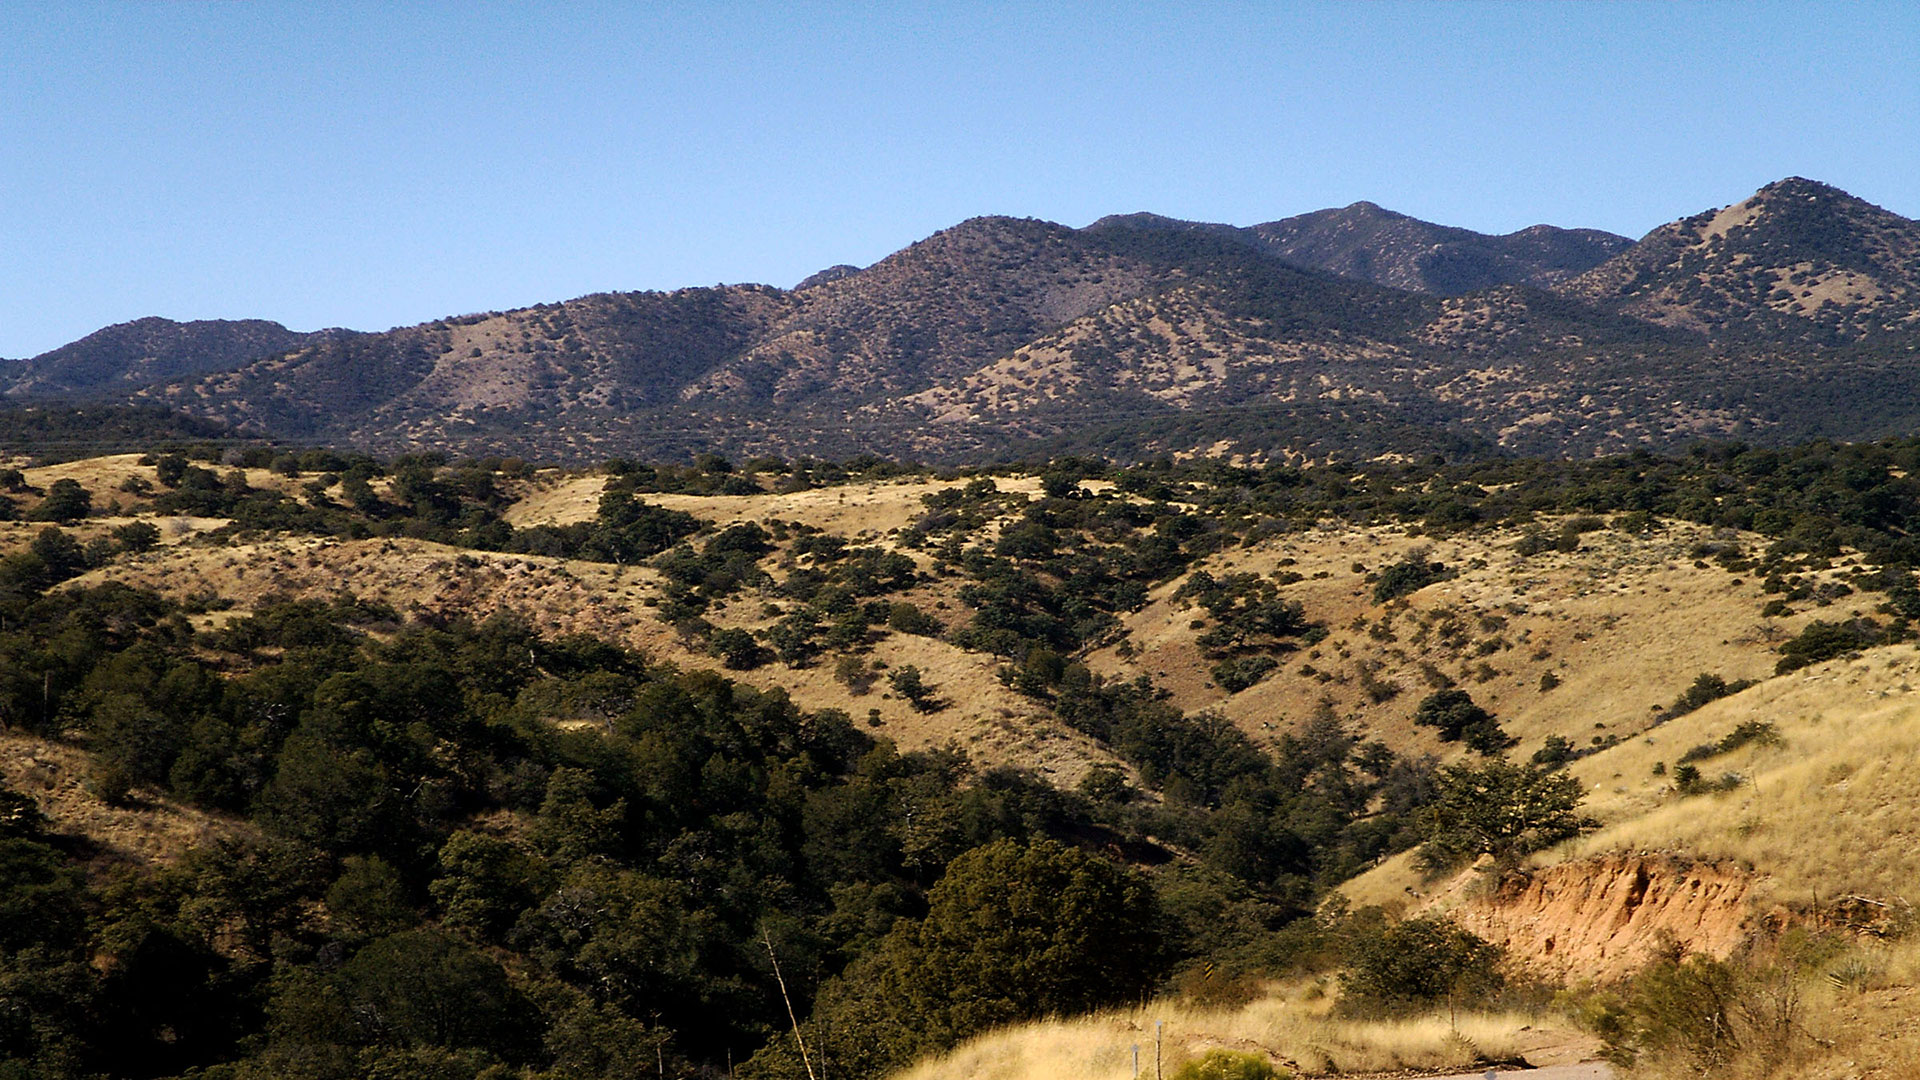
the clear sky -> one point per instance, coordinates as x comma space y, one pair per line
372, 165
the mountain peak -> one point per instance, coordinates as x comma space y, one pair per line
831, 273
1800, 186
147, 350
1798, 258
1367, 241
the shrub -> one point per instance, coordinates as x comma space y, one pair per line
66, 501
1697, 1015
1754, 732
136, 536
738, 650
1107, 783
1218, 1064
1456, 717
908, 683
1708, 687
1416, 964
853, 673
1554, 752
111, 783
908, 619
1409, 575
1236, 675
1824, 641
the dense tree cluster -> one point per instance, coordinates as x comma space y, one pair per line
425, 874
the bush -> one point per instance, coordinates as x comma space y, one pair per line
1236, 675
738, 650
111, 784
1826, 640
1455, 715
907, 682
908, 619
1218, 1064
1416, 964
1695, 1014
66, 502
1708, 687
1409, 575
853, 673
1747, 732
1554, 752
136, 536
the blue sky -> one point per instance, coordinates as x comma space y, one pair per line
372, 165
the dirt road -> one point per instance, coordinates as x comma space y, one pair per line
1586, 1070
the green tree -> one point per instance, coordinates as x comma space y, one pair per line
369, 900
1416, 964
1456, 717
906, 681
413, 990
1499, 809
66, 502
1409, 575
136, 536
1013, 931
570, 827
485, 883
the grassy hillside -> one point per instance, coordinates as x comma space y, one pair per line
605, 744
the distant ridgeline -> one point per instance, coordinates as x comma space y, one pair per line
1793, 314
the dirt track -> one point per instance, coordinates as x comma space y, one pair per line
1586, 1070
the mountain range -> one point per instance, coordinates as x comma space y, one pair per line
1793, 313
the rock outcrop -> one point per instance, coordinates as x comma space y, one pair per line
1603, 918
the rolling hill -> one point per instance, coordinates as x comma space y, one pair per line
1582, 604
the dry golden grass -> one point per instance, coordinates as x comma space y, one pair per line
1625, 624
1834, 810
1291, 1026
148, 830
102, 476
870, 510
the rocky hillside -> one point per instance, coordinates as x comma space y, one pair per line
542, 374
1367, 242
1799, 262
133, 354
1355, 331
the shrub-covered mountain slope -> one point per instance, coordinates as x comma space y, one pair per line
1790, 315
1368, 242
1799, 263
133, 354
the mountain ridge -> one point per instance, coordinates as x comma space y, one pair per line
1788, 314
